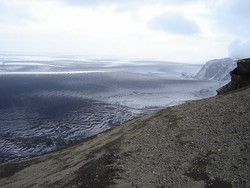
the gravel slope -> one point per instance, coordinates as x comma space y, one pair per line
198, 144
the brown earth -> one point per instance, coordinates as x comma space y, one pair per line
203, 143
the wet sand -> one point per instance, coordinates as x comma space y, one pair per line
202, 143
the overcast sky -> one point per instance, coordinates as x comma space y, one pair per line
171, 30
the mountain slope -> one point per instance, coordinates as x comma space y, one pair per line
217, 69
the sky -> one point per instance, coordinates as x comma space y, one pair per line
192, 31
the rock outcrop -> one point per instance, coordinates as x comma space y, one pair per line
240, 77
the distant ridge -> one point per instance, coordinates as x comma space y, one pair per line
217, 69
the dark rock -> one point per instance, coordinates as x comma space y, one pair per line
240, 77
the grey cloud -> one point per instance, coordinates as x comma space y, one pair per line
175, 23
239, 49
234, 17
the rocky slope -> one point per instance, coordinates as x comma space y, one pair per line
198, 144
217, 69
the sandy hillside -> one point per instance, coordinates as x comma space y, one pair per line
203, 143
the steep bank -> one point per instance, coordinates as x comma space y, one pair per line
199, 144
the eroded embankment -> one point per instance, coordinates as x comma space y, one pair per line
199, 144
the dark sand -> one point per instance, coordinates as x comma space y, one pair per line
203, 143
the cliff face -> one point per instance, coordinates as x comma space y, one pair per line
217, 69
240, 77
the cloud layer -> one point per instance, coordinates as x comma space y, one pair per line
175, 23
239, 49
176, 30
14, 12
233, 16
131, 2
